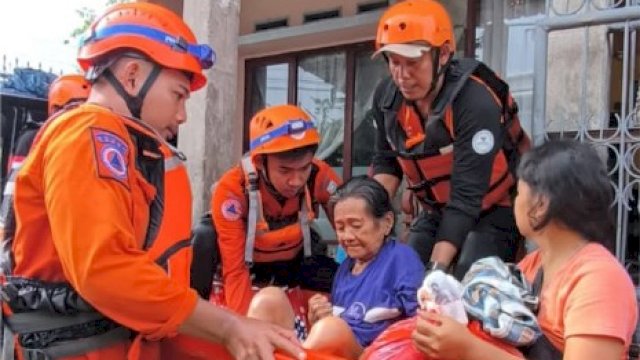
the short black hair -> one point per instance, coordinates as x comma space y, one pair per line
375, 196
574, 179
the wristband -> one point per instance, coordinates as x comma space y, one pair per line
434, 265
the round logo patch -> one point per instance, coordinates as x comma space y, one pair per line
113, 159
231, 209
482, 142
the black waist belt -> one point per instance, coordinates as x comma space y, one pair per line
49, 327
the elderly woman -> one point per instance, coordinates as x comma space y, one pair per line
376, 285
587, 301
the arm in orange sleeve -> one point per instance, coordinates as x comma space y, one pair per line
327, 181
92, 225
229, 211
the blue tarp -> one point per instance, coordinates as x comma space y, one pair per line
25, 82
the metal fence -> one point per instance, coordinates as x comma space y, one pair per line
8, 64
586, 87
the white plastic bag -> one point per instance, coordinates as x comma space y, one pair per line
442, 293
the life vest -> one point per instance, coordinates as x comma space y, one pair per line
428, 168
264, 242
167, 242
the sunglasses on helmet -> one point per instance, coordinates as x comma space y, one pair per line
203, 53
291, 127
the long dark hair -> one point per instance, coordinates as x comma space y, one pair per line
374, 195
574, 179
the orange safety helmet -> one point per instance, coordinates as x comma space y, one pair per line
281, 128
67, 88
154, 31
413, 21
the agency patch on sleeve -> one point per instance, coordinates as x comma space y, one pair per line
111, 154
332, 187
231, 209
482, 142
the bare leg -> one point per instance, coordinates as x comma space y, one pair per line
271, 304
332, 335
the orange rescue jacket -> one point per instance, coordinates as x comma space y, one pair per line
279, 237
104, 204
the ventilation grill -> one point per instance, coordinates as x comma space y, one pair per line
372, 6
322, 15
267, 25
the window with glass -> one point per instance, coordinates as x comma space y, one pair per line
266, 85
368, 73
504, 39
335, 86
321, 92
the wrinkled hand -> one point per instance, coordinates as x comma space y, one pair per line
250, 339
441, 337
319, 307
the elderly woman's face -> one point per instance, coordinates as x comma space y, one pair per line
359, 232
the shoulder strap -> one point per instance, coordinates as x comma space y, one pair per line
458, 74
305, 216
536, 287
499, 87
254, 214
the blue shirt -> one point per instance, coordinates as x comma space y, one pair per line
383, 293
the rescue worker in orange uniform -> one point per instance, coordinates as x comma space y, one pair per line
103, 209
261, 213
66, 90
441, 125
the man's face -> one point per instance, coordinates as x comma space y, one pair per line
413, 76
164, 105
288, 176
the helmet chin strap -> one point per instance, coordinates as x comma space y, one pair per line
264, 174
134, 103
437, 69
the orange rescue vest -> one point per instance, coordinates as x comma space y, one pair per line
429, 173
169, 241
265, 244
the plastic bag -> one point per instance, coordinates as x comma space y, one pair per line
442, 293
396, 342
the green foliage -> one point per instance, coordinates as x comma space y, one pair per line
87, 15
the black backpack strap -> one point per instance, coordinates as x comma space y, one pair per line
512, 142
542, 349
536, 286
457, 75
497, 85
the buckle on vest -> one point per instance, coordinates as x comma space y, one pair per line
422, 186
253, 180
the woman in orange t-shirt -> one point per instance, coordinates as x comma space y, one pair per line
588, 306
